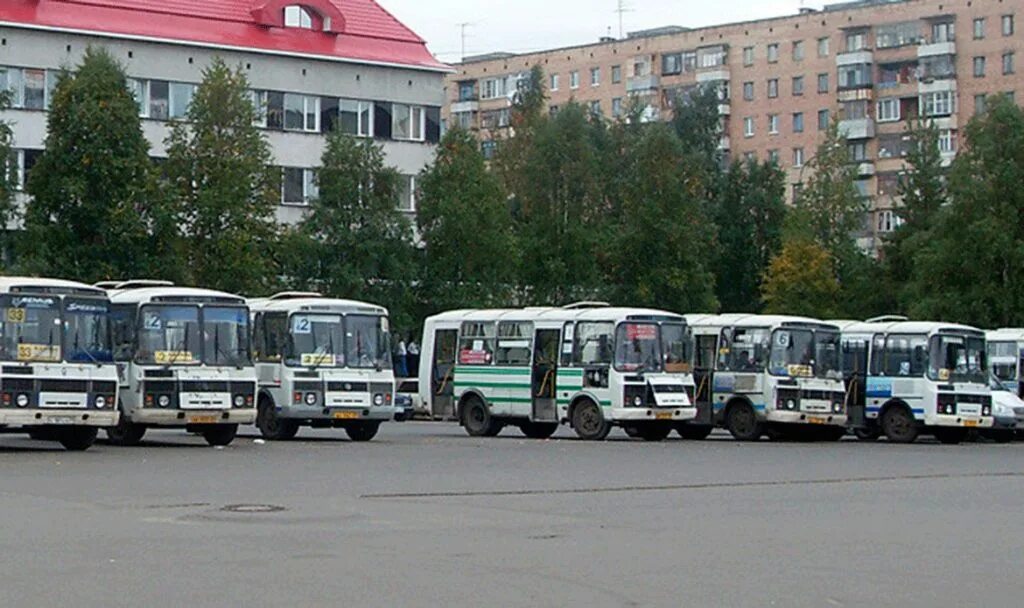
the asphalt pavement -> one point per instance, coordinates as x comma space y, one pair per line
426, 516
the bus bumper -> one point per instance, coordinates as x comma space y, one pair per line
969, 422
182, 418
640, 414
822, 418
48, 417
342, 414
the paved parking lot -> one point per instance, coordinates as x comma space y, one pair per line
425, 516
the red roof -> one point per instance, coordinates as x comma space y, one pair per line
360, 30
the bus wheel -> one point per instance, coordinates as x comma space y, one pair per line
899, 425
363, 431
589, 423
220, 434
950, 436
695, 432
867, 434
632, 431
655, 432
126, 433
743, 424
78, 438
477, 419
273, 427
538, 430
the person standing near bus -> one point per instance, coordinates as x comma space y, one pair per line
413, 357
401, 354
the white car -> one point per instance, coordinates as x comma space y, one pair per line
1008, 411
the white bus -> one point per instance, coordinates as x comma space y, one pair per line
590, 365
183, 361
908, 378
1005, 357
767, 375
323, 363
57, 379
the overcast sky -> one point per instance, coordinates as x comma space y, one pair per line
527, 25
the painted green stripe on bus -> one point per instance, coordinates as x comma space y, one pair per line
570, 372
602, 402
492, 371
522, 385
512, 400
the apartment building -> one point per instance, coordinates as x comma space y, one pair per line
870, 64
314, 65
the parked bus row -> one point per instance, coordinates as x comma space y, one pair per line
126, 357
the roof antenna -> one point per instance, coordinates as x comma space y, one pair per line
462, 31
622, 9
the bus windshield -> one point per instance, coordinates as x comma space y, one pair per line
31, 329
637, 347
957, 359
1003, 358
226, 336
317, 340
805, 353
744, 349
169, 335
677, 343
367, 342
87, 331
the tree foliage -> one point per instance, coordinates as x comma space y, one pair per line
226, 189
95, 212
470, 253
8, 176
801, 281
355, 243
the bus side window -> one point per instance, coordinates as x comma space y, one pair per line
122, 331
704, 354
258, 336
275, 336
724, 349
878, 356
567, 344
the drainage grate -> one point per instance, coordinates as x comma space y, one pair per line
252, 509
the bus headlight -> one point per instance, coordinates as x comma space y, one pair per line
101, 402
163, 400
638, 401
837, 407
986, 410
310, 398
239, 400
22, 400
378, 400
791, 405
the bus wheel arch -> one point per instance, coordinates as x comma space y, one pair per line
475, 416
587, 419
741, 421
897, 422
269, 424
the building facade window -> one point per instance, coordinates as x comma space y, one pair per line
798, 122
407, 194
894, 35
773, 52
595, 107
356, 118
979, 28
297, 16
855, 76
773, 88
554, 82
773, 157
856, 41
798, 85
823, 83
671, 64
298, 186
947, 141
888, 109
798, 157
980, 104
748, 126
823, 47
798, 50
748, 56
180, 99
574, 79
773, 124
748, 91
1008, 25
858, 151
944, 31
617, 107
595, 77
1008, 67
823, 117
407, 122
616, 74
301, 113
979, 67
941, 103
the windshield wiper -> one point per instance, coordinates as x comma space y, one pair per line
86, 351
234, 359
173, 359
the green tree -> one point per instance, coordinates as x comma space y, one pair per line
95, 212
355, 243
698, 123
466, 229
801, 281
509, 162
8, 176
750, 211
969, 270
561, 208
226, 189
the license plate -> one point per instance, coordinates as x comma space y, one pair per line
59, 420
202, 419
346, 415
816, 420
970, 423
663, 416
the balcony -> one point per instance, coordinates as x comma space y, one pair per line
865, 169
465, 106
857, 128
724, 143
714, 74
855, 58
724, 109
935, 49
643, 84
936, 86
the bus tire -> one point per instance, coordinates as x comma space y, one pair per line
126, 433
78, 438
742, 422
588, 421
869, 435
538, 430
272, 426
477, 419
632, 431
655, 432
362, 431
899, 425
694, 432
950, 436
220, 434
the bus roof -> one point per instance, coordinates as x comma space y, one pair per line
41, 285
1006, 334
146, 295
553, 314
905, 327
752, 320
310, 302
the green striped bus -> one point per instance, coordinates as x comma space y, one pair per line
590, 365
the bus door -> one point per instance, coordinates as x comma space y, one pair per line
442, 374
705, 351
1020, 368
855, 377
544, 375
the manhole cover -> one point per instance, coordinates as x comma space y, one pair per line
252, 509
